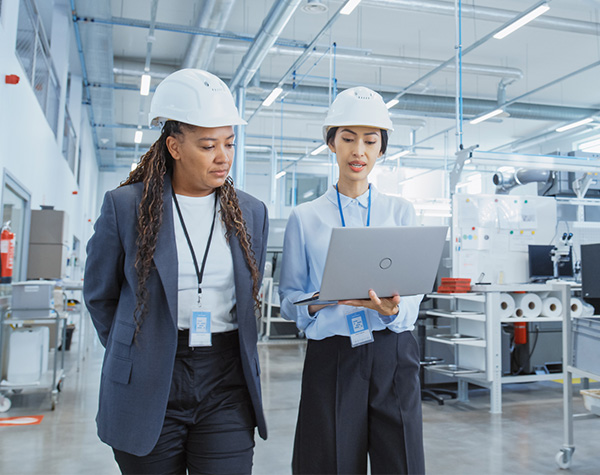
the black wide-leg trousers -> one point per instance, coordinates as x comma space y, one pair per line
209, 423
359, 401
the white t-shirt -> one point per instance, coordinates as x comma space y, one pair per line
218, 286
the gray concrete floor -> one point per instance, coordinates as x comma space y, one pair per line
460, 438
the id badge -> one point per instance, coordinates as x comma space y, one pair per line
358, 325
200, 328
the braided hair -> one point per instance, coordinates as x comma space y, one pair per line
153, 166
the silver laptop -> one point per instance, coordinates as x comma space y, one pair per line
401, 260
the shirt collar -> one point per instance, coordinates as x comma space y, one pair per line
363, 200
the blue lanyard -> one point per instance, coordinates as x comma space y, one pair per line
342, 213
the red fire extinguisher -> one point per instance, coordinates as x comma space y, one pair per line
7, 253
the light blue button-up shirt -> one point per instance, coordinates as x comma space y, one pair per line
305, 249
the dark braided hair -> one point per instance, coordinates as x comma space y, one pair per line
153, 166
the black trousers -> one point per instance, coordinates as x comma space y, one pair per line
359, 401
209, 423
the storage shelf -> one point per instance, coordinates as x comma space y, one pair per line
531, 319
479, 317
473, 297
453, 370
467, 341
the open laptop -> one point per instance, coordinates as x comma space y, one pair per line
401, 260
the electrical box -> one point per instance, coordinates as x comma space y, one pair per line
48, 245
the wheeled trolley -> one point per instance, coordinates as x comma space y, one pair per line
581, 358
26, 358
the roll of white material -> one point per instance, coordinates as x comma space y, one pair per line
507, 305
551, 307
576, 307
527, 305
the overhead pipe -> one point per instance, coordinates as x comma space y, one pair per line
218, 22
278, 17
193, 50
507, 180
487, 14
367, 58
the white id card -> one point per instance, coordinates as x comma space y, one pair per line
358, 325
200, 329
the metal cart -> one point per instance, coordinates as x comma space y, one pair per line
581, 340
51, 379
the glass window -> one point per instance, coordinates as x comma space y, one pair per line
305, 187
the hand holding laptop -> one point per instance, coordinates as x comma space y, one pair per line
384, 306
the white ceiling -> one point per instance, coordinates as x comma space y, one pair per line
407, 37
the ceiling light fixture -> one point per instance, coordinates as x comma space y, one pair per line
280, 174
574, 124
349, 7
314, 6
271, 97
399, 154
532, 15
138, 136
319, 149
487, 116
145, 85
391, 103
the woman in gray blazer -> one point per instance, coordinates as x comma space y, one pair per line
172, 279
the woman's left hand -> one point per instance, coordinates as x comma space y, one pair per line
385, 306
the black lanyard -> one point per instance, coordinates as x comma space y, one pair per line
199, 272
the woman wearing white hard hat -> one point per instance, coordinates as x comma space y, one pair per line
358, 401
171, 282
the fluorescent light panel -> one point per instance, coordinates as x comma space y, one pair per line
574, 124
391, 103
399, 154
595, 149
487, 116
138, 136
145, 85
319, 149
349, 7
280, 174
271, 97
532, 15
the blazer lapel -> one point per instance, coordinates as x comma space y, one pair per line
165, 255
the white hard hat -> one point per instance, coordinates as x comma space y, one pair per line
358, 106
194, 97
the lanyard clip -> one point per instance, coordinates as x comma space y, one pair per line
199, 297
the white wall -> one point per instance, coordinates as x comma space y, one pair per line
29, 151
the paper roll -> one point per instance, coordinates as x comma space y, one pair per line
551, 307
507, 305
527, 305
576, 307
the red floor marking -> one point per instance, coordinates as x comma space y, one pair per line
21, 421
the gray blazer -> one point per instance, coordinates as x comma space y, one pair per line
136, 377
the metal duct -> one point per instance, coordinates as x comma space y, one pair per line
276, 20
193, 51
217, 22
98, 51
507, 180
382, 60
442, 106
488, 14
